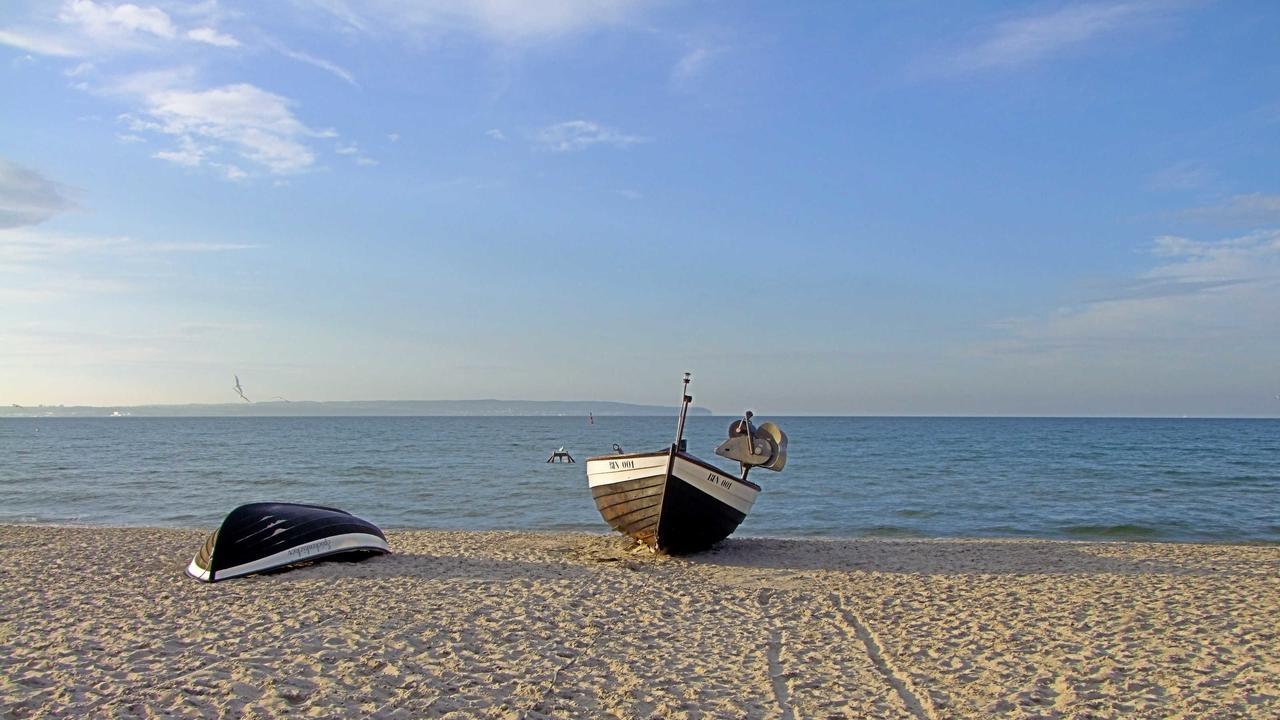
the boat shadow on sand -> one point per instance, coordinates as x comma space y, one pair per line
965, 557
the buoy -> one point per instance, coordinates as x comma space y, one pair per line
560, 456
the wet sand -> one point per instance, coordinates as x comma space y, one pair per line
103, 622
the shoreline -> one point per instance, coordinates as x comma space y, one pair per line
102, 621
737, 536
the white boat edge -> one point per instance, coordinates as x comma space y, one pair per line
307, 551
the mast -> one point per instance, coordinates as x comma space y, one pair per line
751, 440
685, 399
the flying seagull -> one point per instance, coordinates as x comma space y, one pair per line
239, 390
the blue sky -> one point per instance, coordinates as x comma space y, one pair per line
819, 208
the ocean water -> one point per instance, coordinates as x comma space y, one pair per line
1144, 479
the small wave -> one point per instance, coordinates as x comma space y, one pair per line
892, 531
368, 472
1113, 532
916, 513
1003, 530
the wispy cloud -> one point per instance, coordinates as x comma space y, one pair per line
231, 172
38, 43
504, 20
496, 134
151, 342
85, 28
1198, 293
25, 247
242, 119
1184, 175
692, 65
29, 198
209, 36
582, 134
1247, 209
189, 153
332, 68
193, 247
114, 23
38, 266
1028, 39
230, 129
53, 286
353, 151
29, 246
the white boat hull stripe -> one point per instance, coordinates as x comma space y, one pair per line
314, 549
721, 486
608, 472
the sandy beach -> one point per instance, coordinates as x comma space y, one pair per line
103, 622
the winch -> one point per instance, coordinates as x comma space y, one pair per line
764, 447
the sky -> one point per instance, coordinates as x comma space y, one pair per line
831, 208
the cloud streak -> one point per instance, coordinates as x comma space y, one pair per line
40, 44
332, 68
508, 21
693, 64
29, 247
1029, 39
37, 266
27, 197
577, 135
1247, 209
1199, 293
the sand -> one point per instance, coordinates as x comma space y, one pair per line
101, 622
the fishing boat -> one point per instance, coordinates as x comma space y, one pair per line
676, 503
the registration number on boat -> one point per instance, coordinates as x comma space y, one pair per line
715, 479
621, 464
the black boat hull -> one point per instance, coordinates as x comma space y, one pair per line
259, 537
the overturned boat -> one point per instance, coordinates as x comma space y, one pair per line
676, 503
265, 536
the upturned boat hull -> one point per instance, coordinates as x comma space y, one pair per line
669, 500
260, 537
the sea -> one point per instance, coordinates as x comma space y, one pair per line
1202, 480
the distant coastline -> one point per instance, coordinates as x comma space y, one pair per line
354, 408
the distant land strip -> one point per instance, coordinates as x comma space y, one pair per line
370, 408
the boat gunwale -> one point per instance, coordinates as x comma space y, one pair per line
708, 466
630, 456
691, 458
